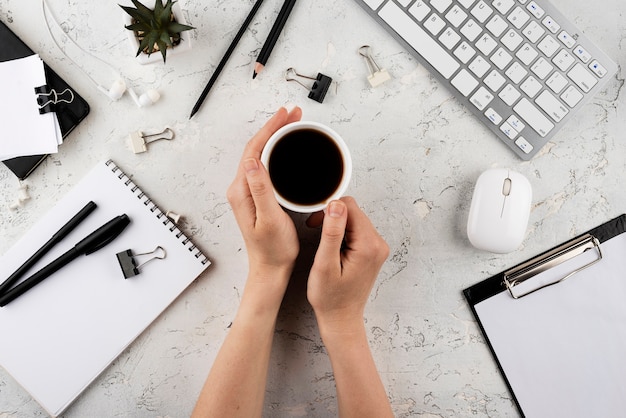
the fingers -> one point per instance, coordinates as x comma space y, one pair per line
333, 231
281, 118
260, 186
362, 236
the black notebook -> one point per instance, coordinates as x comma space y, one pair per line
69, 115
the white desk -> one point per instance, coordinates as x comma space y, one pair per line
417, 154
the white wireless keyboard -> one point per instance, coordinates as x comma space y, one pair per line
520, 66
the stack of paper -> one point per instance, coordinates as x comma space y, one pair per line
25, 130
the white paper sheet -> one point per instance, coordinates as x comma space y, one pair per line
563, 348
60, 335
24, 130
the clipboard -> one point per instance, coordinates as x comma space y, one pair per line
556, 326
69, 115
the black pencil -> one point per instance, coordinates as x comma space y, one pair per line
230, 50
273, 36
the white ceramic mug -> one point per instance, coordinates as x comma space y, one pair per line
305, 166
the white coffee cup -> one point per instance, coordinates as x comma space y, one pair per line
310, 165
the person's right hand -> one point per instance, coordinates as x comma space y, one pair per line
347, 262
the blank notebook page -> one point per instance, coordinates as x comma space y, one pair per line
60, 335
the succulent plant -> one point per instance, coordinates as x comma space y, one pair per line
155, 28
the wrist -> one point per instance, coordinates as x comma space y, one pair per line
341, 329
264, 291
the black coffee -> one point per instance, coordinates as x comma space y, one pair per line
306, 167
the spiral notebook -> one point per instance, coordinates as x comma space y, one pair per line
60, 335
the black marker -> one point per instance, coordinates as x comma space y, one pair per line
92, 243
56, 238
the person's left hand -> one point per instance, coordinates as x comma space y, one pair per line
268, 231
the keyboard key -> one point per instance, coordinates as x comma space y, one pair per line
497, 26
563, 60
531, 86
471, 30
597, 68
464, 82
551, 105
456, 16
494, 80
434, 24
419, 40
419, 10
449, 38
567, 39
441, 5
582, 54
486, 44
549, 23
548, 46
537, 11
464, 52
533, 31
503, 6
508, 130
518, 17
516, 72
527, 54
493, 116
479, 66
541, 68
556, 82
512, 40
404, 3
481, 98
509, 94
501, 58
533, 117
515, 123
571, 96
524, 145
482, 11
583, 78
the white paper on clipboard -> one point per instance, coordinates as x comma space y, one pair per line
563, 348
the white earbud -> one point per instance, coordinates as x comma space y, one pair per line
148, 98
116, 91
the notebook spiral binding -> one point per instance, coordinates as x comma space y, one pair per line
158, 212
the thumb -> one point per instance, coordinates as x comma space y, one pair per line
333, 231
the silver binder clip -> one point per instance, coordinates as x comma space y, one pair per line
128, 260
48, 98
318, 90
139, 141
377, 75
517, 280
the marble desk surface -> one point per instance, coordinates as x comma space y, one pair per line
417, 153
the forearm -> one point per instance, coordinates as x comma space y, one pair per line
360, 392
236, 384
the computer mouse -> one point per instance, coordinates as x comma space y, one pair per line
499, 212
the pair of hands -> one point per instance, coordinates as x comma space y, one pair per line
341, 277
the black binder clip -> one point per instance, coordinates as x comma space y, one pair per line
48, 98
320, 85
128, 260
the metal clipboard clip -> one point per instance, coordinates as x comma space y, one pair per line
520, 274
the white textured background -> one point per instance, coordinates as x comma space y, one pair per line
416, 152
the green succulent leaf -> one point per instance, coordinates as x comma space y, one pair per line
156, 26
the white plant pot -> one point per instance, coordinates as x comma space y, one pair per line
183, 46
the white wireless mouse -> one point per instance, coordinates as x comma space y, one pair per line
499, 212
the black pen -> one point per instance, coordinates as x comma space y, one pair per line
222, 63
90, 244
56, 238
